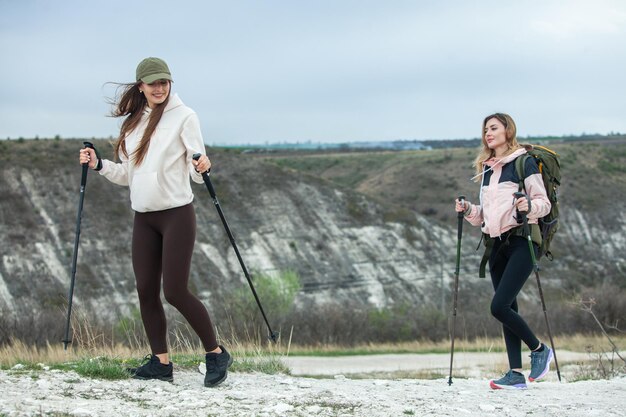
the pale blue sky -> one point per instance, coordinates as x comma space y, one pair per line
328, 70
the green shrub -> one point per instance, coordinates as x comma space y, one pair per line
276, 293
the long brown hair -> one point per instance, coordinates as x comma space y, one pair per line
130, 103
484, 153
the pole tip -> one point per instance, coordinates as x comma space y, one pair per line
274, 336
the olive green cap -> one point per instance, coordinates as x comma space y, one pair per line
151, 69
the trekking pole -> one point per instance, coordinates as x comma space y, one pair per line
83, 184
207, 181
456, 283
536, 269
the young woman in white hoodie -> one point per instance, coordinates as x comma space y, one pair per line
510, 262
157, 140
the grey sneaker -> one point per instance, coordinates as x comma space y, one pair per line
217, 365
510, 380
540, 363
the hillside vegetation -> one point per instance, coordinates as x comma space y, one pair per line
427, 181
367, 240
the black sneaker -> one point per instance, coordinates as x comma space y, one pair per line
153, 369
217, 365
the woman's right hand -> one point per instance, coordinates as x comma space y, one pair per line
460, 207
88, 156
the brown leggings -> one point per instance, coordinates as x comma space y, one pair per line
162, 245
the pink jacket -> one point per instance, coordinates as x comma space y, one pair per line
496, 212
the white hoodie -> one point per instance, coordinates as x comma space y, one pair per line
161, 181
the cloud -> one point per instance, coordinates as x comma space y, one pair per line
325, 70
581, 19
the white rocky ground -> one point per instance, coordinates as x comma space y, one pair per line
55, 393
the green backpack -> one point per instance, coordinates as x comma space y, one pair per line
550, 169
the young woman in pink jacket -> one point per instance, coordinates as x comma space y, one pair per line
510, 262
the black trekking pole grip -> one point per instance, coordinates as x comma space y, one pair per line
83, 178
521, 215
205, 177
519, 194
460, 215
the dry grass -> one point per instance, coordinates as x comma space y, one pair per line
185, 352
575, 343
254, 353
18, 352
91, 357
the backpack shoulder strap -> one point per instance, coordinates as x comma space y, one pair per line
520, 164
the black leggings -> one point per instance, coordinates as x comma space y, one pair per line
162, 246
510, 265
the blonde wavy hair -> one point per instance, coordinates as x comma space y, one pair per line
484, 153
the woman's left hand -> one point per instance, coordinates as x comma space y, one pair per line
203, 164
521, 204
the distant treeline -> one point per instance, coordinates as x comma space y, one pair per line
392, 145
413, 144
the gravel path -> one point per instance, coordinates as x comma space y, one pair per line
57, 393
